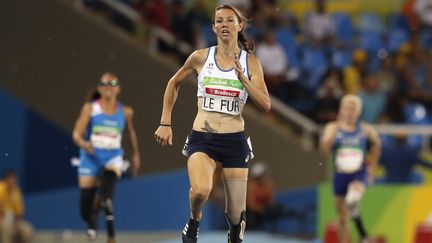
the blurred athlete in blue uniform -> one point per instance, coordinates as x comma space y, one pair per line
98, 132
347, 139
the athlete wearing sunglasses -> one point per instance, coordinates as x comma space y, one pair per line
98, 132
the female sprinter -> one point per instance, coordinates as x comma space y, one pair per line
227, 74
346, 138
98, 132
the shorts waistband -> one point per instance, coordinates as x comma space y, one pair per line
224, 136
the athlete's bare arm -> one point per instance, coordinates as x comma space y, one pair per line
81, 126
192, 65
375, 150
136, 158
256, 86
328, 137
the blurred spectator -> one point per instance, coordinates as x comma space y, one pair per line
394, 111
273, 59
260, 201
203, 35
401, 63
416, 73
328, 97
155, 13
410, 13
423, 8
289, 22
275, 65
198, 13
403, 55
353, 73
260, 195
373, 99
318, 27
386, 75
13, 228
399, 160
181, 23
265, 14
183, 28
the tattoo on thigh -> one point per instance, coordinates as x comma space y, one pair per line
207, 127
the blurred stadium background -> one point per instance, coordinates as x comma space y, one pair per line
54, 51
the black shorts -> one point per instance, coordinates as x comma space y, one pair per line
233, 150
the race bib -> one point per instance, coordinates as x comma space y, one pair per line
349, 160
103, 137
222, 95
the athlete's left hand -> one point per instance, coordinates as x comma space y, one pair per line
163, 135
136, 164
239, 70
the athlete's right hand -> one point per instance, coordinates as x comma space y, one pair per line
88, 147
163, 135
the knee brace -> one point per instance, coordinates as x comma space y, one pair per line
353, 201
236, 231
108, 181
87, 198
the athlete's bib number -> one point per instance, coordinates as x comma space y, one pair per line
106, 138
349, 160
222, 95
229, 106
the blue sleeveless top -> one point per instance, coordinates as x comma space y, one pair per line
105, 131
349, 150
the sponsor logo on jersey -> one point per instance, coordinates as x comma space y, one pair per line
222, 92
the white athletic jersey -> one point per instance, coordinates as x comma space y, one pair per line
221, 89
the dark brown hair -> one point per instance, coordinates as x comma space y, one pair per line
244, 42
93, 95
